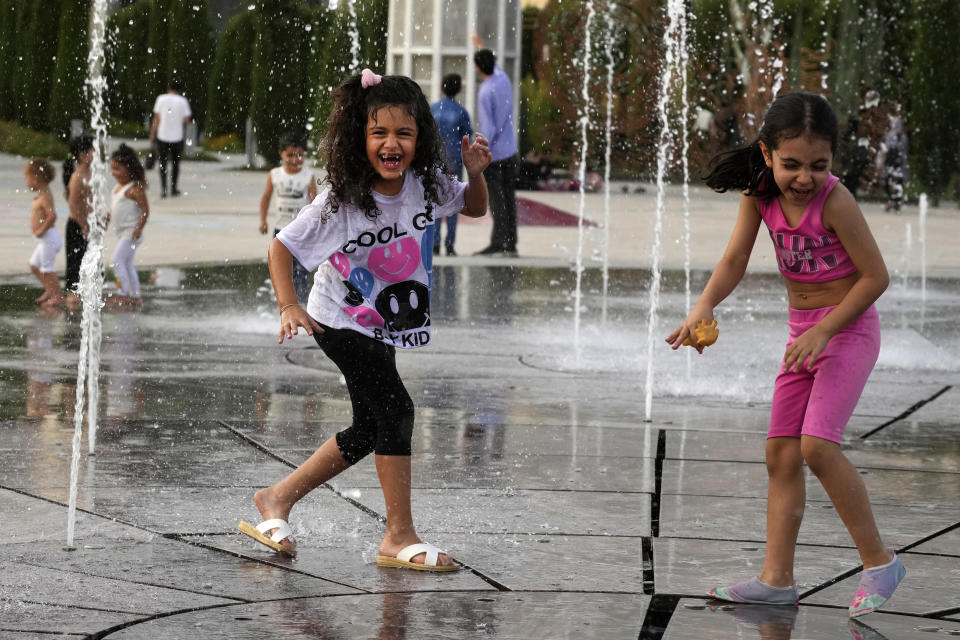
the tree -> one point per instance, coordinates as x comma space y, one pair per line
37, 50
229, 87
128, 95
67, 96
934, 89
190, 52
279, 82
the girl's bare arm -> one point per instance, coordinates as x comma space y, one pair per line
292, 315
726, 275
137, 194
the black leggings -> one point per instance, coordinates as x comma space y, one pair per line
76, 247
382, 408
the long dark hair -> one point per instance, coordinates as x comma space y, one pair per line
126, 157
349, 173
790, 116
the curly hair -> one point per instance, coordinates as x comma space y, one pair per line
349, 172
41, 168
790, 116
127, 158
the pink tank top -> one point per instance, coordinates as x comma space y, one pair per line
807, 252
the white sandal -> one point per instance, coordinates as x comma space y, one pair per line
259, 533
402, 561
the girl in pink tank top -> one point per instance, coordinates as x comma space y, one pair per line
834, 273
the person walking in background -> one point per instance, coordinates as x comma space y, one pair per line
896, 146
833, 272
495, 122
80, 200
289, 189
453, 121
38, 174
171, 113
129, 212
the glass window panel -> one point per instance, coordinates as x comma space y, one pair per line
512, 27
422, 22
455, 23
487, 23
423, 69
398, 65
455, 64
399, 22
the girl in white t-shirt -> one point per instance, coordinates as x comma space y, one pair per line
370, 232
128, 214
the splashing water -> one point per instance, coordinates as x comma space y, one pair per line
922, 232
91, 268
354, 37
674, 58
582, 175
608, 142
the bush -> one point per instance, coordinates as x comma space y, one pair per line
120, 128
226, 143
28, 143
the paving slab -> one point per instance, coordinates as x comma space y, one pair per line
930, 586
735, 518
518, 616
693, 567
748, 622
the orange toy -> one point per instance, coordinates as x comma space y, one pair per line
706, 334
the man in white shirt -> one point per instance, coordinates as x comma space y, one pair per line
171, 113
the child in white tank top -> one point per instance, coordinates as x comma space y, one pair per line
128, 212
289, 188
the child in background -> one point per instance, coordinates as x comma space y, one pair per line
38, 174
289, 189
833, 273
453, 122
128, 211
370, 232
80, 200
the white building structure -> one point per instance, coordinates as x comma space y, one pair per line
428, 39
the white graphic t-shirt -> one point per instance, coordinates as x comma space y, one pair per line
291, 192
374, 275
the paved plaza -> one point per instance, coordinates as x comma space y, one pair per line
534, 463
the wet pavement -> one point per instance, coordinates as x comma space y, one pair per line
533, 466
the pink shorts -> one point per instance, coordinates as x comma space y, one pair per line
819, 402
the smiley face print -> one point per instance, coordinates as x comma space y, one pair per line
396, 261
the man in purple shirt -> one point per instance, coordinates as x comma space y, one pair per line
495, 122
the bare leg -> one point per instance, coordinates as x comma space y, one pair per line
54, 295
277, 501
786, 496
46, 294
845, 487
394, 473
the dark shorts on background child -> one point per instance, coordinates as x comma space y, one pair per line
382, 409
819, 402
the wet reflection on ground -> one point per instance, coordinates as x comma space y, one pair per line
532, 466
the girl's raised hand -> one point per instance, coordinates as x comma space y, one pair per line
476, 156
293, 317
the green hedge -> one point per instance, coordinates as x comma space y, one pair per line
21, 141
